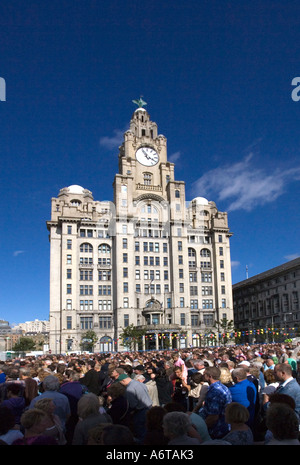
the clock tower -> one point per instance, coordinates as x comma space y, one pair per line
148, 258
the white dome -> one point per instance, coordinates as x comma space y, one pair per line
201, 201
75, 189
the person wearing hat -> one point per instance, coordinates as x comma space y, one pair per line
138, 370
139, 403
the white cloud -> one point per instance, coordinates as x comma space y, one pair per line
292, 256
114, 141
244, 186
235, 264
18, 252
174, 157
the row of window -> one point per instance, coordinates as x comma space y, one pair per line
106, 305
148, 289
106, 322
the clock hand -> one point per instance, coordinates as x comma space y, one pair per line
145, 153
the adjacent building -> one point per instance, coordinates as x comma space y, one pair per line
266, 306
148, 258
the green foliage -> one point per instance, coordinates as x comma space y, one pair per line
88, 340
24, 344
132, 336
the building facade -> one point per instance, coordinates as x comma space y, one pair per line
266, 306
148, 258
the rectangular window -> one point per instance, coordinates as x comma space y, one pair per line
104, 275
125, 258
180, 271
86, 275
223, 291
69, 259
221, 252
104, 322
69, 244
194, 303
181, 302
69, 229
194, 320
208, 319
69, 273
69, 288
125, 287
125, 272
125, 302
124, 243
69, 322
137, 260
86, 322
182, 319
104, 290
179, 245
193, 290
181, 287
69, 304
126, 320
180, 259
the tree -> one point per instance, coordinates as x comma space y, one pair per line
225, 327
131, 336
24, 344
88, 341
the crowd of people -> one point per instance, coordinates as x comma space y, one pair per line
237, 395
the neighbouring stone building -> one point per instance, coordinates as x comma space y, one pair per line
266, 306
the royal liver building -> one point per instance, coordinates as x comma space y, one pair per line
150, 257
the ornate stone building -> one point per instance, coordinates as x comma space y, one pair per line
148, 258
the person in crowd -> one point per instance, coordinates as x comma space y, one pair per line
287, 384
89, 417
34, 422
139, 403
154, 430
244, 392
9, 431
55, 429
283, 423
91, 379
117, 435
118, 405
51, 388
15, 400
164, 386
216, 400
176, 426
237, 416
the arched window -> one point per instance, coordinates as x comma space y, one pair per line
205, 253
106, 344
104, 248
86, 247
177, 194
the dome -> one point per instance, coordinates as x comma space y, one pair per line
75, 189
200, 201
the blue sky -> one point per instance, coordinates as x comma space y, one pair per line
216, 76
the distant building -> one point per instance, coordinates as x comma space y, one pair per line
268, 303
149, 258
33, 327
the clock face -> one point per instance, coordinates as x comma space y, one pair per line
147, 156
